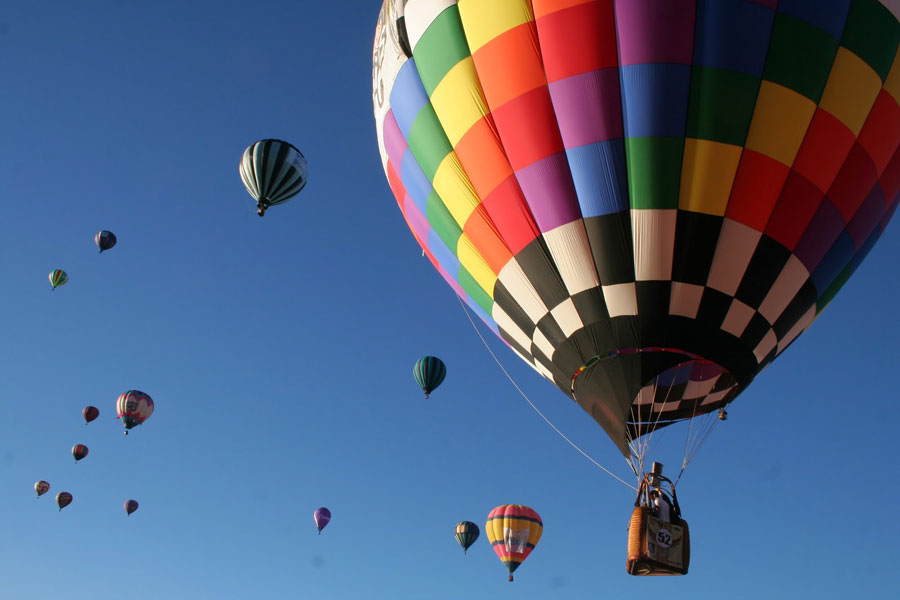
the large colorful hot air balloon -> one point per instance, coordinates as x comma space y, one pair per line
647, 201
41, 487
466, 533
79, 451
133, 408
273, 172
90, 413
429, 372
105, 240
57, 278
513, 530
130, 506
63, 499
322, 516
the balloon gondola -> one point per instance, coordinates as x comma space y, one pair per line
658, 536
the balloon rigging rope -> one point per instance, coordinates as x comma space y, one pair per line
536, 409
706, 429
641, 445
687, 442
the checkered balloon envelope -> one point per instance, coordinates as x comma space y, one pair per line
647, 205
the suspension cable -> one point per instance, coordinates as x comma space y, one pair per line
535, 408
640, 445
711, 421
687, 441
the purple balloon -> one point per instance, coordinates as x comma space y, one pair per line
322, 516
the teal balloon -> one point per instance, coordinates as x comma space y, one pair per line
466, 533
429, 373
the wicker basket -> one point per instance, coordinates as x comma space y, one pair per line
656, 547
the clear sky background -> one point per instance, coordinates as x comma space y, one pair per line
279, 353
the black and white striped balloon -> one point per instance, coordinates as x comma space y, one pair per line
273, 171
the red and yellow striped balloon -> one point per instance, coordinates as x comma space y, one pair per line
513, 531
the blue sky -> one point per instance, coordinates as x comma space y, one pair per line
279, 353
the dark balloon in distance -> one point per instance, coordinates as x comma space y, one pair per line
41, 487
429, 372
79, 451
105, 240
322, 516
90, 413
63, 499
466, 533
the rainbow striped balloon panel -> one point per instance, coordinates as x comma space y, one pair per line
624, 189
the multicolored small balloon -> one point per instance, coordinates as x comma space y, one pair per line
79, 451
41, 487
513, 530
429, 372
63, 499
322, 516
105, 240
58, 277
90, 413
130, 506
466, 534
133, 408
